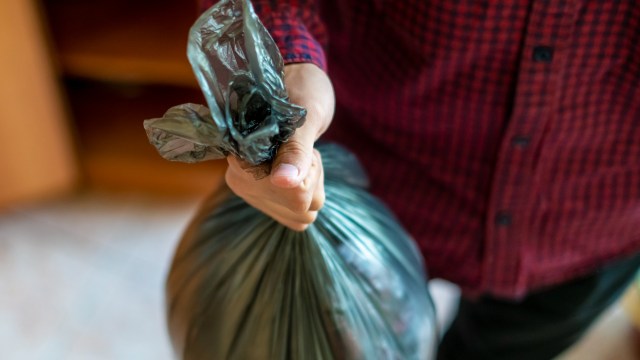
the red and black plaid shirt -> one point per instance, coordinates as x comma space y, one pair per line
504, 134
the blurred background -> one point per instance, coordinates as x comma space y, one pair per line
89, 213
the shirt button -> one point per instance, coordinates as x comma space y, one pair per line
503, 218
543, 54
521, 141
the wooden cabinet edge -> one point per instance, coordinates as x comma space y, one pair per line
38, 159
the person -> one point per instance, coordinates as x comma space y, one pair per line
504, 135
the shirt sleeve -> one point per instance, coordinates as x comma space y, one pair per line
296, 27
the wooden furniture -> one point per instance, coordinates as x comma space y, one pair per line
141, 42
111, 64
37, 158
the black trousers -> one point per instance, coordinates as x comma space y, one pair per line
540, 326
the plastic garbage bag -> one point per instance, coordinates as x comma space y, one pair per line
240, 71
350, 287
242, 286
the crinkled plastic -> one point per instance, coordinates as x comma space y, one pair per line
242, 286
240, 71
351, 286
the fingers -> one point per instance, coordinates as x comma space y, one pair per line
294, 221
296, 199
307, 196
291, 165
297, 225
309, 87
317, 200
294, 191
294, 207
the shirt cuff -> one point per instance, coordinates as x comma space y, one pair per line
294, 40
297, 30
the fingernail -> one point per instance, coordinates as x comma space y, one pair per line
287, 170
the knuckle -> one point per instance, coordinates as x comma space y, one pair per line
299, 227
318, 202
317, 110
310, 217
307, 218
292, 148
298, 208
231, 180
293, 224
300, 205
237, 184
293, 145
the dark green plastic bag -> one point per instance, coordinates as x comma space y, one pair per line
242, 286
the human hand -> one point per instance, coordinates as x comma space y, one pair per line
294, 192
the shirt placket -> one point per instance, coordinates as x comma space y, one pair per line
514, 188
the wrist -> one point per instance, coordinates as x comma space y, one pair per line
310, 87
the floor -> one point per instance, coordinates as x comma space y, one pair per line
82, 278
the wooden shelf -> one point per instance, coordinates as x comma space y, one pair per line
114, 150
123, 41
37, 159
124, 61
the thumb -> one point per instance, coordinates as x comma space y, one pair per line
291, 165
